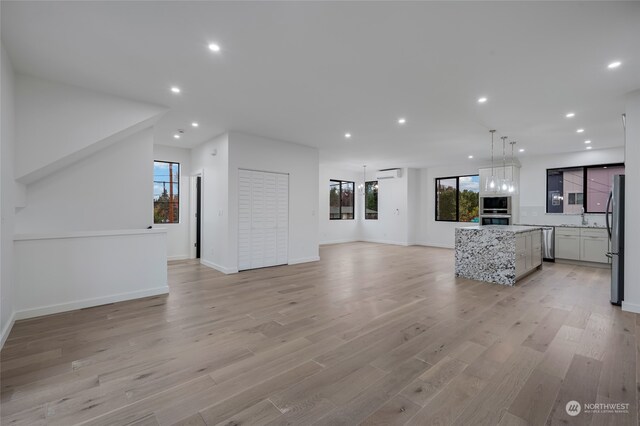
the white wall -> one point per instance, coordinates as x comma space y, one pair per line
7, 204
215, 201
533, 184
56, 273
56, 122
337, 231
302, 165
393, 212
109, 190
399, 217
415, 216
178, 240
632, 205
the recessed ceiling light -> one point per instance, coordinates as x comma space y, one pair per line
589, 147
214, 47
402, 120
175, 89
482, 100
587, 142
194, 124
615, 64
521, 150
570, 115
471, 156
347, 135
176, 136
579, 130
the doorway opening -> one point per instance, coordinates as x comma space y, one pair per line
198, 214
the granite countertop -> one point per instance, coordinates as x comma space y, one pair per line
513, 229
566, 225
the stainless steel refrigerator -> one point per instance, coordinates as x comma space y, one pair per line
615, 227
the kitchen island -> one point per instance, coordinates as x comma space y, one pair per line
499, 254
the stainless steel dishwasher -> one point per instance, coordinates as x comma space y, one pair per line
549, 243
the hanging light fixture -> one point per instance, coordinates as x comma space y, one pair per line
492, 182
504, 182
364, 180
513, 184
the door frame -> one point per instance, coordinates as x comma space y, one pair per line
193, 208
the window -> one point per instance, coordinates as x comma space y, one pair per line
341, 200
599, 180
457, 198
571, 189
166, 192
371, 200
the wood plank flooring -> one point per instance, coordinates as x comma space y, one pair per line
372, 334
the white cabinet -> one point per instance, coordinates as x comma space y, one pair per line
528, 251
510, 172
584, 244
567, 243
594, 244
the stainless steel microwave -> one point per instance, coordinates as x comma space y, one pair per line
495, 205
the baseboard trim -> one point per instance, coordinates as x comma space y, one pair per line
393, 243
426, 244
326, 243
87, 303
181, 257
218, 267
583, 263
7, 329
630, 307
304, 260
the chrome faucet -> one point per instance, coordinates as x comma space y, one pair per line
585, 222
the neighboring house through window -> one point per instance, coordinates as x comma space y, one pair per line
571, 189
166, 192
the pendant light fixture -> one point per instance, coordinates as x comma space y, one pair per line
361, 187
513, 184
504, 183
492, 182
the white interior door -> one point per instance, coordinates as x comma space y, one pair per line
263, 219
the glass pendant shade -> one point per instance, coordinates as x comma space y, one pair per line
361, 187
492, 183
504, 182
513, 184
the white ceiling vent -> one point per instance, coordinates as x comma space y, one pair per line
389, 174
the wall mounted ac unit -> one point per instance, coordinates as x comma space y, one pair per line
389, 174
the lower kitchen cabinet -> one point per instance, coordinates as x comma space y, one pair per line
568, 247
594, 245
528, 252
584, 244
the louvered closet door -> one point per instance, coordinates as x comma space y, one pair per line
244, 219
263, 221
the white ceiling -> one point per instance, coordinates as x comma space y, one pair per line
307, 72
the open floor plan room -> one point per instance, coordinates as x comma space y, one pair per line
319, 213
371, 334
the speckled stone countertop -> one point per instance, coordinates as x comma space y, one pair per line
566, 225
488, 253
513, 229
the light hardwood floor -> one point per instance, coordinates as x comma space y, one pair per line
372, 334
